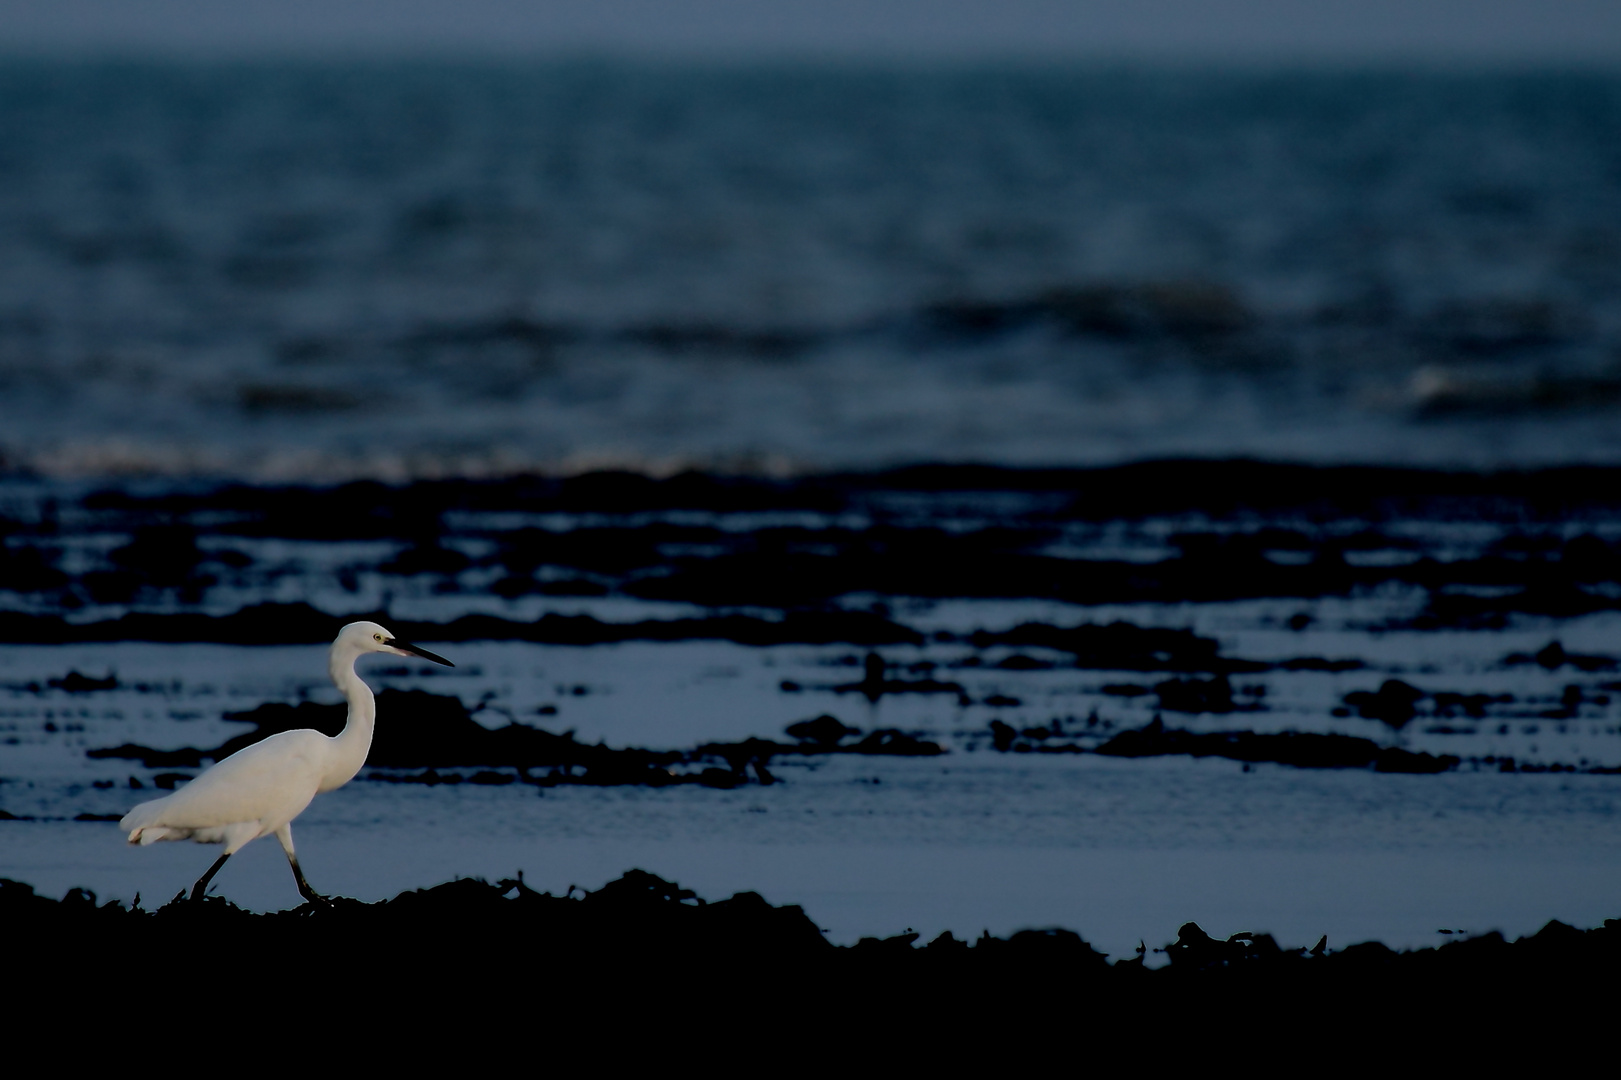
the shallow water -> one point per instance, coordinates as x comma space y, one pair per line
1096, 846
975, 838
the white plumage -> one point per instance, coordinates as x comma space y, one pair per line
260, 789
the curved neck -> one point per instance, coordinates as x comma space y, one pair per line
353, 743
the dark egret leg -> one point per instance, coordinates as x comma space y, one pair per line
285, 835
304, 889
201, 887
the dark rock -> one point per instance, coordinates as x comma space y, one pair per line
75, 683
1121, 646
1553, 656
891, 741
875, 683
26, 568
163, 555
185, 757
824, 730
426, 558
1002, 735
1447, 703
1300, 749
1317, 663
1193, 948
1395, 703
1213, 695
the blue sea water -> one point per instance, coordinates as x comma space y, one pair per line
315, 270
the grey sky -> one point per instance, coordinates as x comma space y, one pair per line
1537, 31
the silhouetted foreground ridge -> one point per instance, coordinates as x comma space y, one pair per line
640, 934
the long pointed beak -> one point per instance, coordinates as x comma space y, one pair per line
414, 650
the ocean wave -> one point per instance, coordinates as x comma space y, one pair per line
94, 459
283, 273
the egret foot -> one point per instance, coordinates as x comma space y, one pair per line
198, 890
304, 889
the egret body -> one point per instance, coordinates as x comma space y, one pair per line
260, 789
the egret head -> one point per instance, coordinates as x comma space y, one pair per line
365, 637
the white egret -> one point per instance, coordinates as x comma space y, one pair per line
260, 789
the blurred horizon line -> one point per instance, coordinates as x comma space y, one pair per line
1335, 34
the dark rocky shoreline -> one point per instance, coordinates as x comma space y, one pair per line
642, 930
